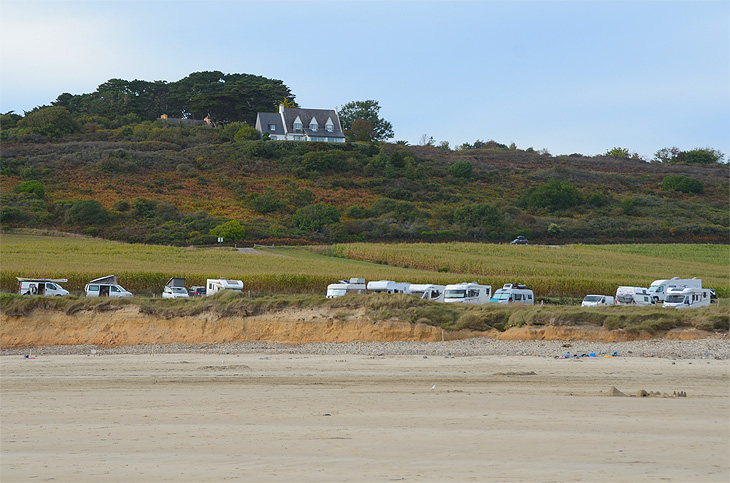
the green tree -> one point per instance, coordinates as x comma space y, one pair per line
361, 130
314, 217
554, 195
461, 169
479, 216
50, 121
86, 212
700, 156
685, 184
367, 110
9, 120
618, 153
230, 231
32, 186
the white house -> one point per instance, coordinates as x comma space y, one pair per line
293, 124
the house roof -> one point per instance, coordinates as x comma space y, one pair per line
266, 119
306, 116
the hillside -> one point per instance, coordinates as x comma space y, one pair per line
153, 182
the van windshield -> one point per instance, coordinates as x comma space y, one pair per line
592, 298
501, 296
336, 291
455, 294
179, 290
656, 288
674, 299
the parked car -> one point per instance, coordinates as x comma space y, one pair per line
520, 240
196, 291
597, 300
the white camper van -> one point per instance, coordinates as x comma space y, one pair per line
215, 285
175, 289
467, 293
346, 287
428, 291
633, 296
388, 286
42, 286
106, 287
688, 297
514, 293
597, 300
659, 289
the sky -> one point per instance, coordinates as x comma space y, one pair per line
579, 76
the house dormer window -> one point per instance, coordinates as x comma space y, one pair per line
298, 126
272, 127
313, 125
329, 126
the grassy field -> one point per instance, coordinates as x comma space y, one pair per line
571, 271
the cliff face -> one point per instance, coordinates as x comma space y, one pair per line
128, 326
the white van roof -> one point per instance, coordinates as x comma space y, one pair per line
108, 280
56, 280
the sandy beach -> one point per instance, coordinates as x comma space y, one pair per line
345, 417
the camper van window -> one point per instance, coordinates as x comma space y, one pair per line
518, 296
473, 293
114, 289
455, 294
674, 299
529, 296
501, 296
93, 288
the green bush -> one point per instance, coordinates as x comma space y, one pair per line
554, 195
461, 169
685, 184
314, 217
32, 186
481, 215
86, 212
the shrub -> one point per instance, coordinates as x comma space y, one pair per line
461, 169
700, 156
32, 186
481, 215
267, 202
555, 195
685, 184
230, 231
122, 205
86, 212
50, 121
314, 217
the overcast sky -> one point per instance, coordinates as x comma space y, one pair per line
566, 76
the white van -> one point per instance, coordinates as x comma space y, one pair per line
388, 286
42, 286
467, 293
514, 293
106, 287
428, 291
175, 289
633, 296
689, 297
346, 287
659, 289
215, 285
597, 300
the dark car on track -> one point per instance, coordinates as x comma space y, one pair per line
196, 291
520, 240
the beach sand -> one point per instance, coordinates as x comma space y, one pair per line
284, 417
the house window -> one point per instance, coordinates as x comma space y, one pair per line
313, 126
298, 126
329, 127
272, 127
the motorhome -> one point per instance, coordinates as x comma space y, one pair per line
428, 291
215, 285
660, 288
175, 289
687, 297
388, 286
514, 293
633, 296
106, 287
42, 286
467, 293
597, 300
346, 287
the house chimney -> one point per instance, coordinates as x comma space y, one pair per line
281, 108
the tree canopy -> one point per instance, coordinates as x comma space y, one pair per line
355, 111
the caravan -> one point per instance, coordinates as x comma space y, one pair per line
175, 289
388, 286
346, 287
467, 293
215, 285
659, 289
106, 287
42, 286
633, 296
688, 297
427, 291
514, 293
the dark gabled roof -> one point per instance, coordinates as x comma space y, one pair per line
306, 115
265, 119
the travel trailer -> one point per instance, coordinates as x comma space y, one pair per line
687, 297
514, 293
660, 288
597, 300
633, 296
428, 291
467, 293
346, 287
175, 289
42, 286
215, 285
388, 286
106, 287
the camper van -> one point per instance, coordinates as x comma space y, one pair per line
175, 289
215, 285
106, 287
514, 293
428, 291
597, 301
660, 288
388, 286
467, 293
633, 296
42, 286
687, 297
346, 287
